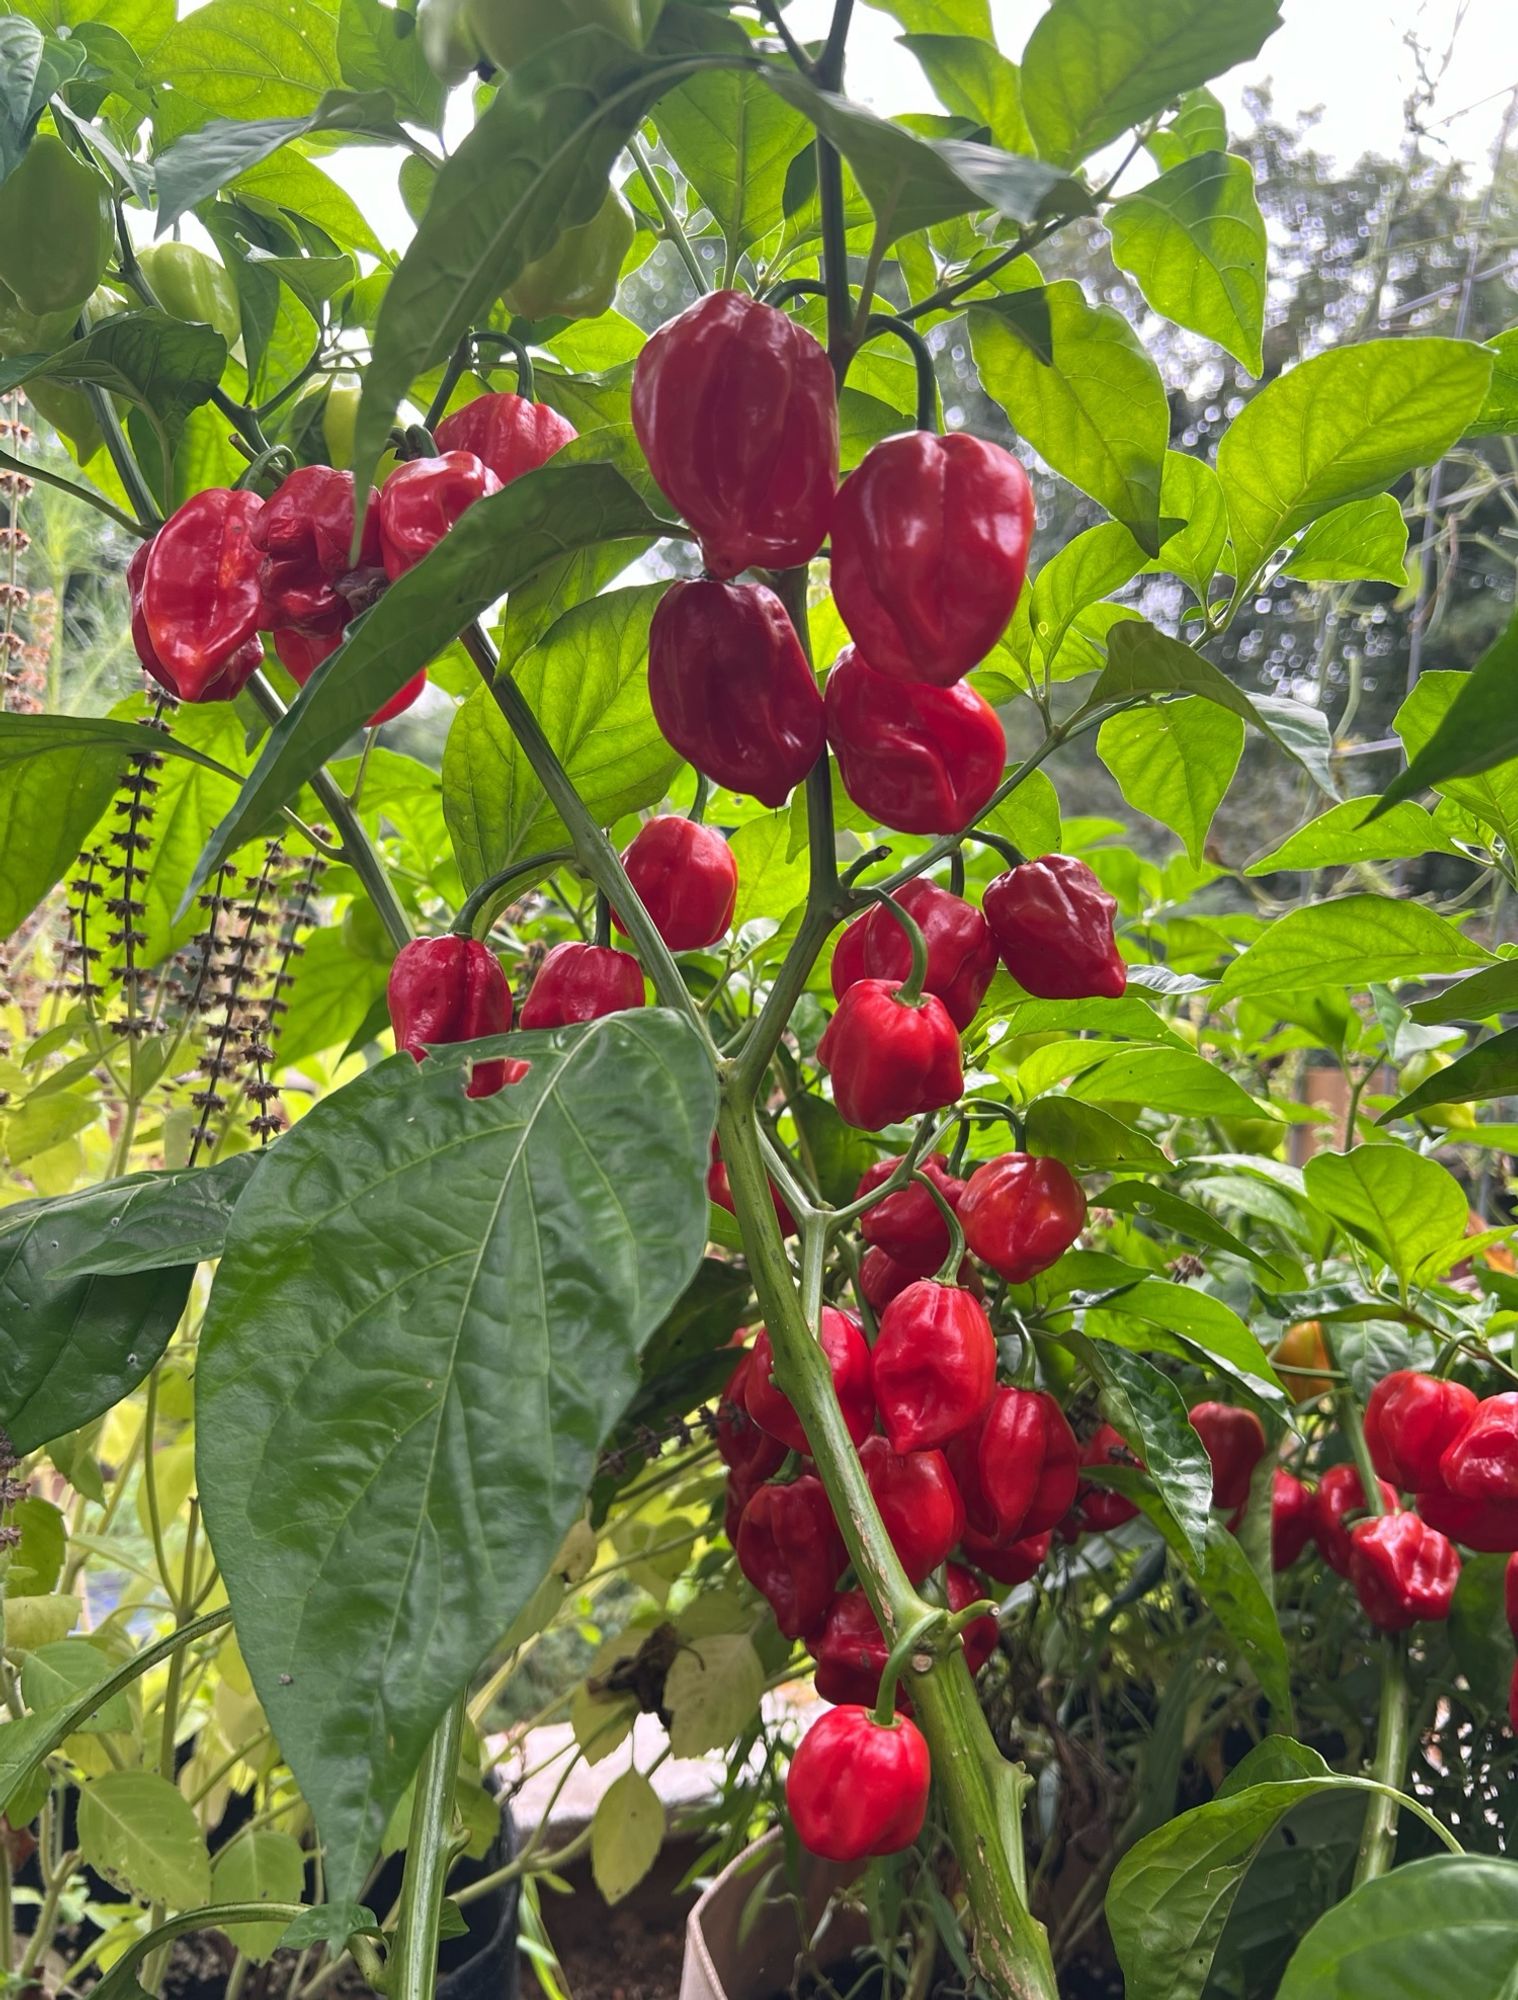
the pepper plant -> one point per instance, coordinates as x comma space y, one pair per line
977, 1114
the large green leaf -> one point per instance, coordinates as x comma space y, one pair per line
1494, 991
733, 139
56, 779
586, 680
1089, 567
1146, 1406
229, 149
1195, 241
168, 367
1349, 942
1477, 732
378, 48
427, 1318
1092, 68
234, 57
1190, 491
1489, 1070
1404, 1205
139, 1832
1363, 541
1339, 427
20, 59
1498, 414
973, 80
1175, 1080
150, 1221
1343, 835
1445, 1925
1174, 763
1096, 412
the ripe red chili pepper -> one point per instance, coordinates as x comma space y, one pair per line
930, 543
1052, 922
856, 1788
1410, 1418
1402, 1570
1010, 1563
935, 1365
918, 1501
888, 1058
790, 1550
744, 1448
851, 1653
735, 408
980, 1635
961, 953
451, 989
843, 1343
1021, 1214
719, 1189
1291, 1518
582, 982
1490, 1526
1101, 1509
908, 1224
1481, 1463
304, 536
422, 499
687, 878
731, 689
508, 433
301, 653
1340, 1493
1235, 1442
200, 595
882, 1279
229, 678
1026, 1466
917, 758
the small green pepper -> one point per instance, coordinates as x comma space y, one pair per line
56, 232
577, 278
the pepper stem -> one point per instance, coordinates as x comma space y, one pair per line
948, 1270
508, 341
1013, 856
957, 872
895, 1666
909, 993
922, 361
698, 805
469, 910
603, 918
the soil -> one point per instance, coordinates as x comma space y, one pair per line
632, 1952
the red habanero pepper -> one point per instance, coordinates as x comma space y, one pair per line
508, 433
1402, 1570
230, 677
848, 1357
918, 1501
451, 989
935, 1365
882, 1279
731, 689
1490, 1526
687, 878
916, 758
743, 1448
1010, 1563
1410, 1418
422, 499
719, 1190
1481, 1462
1340, 1493
1235, 1442
1021, 1214
980, 1635
930, 544
790, 1550
200, 595
857, 1787
961, 953
304, 536
889, 1058
736, 411
907, 1224
1100, 1508
301, 653
1052, 922
1291, 1518
582, 982
851, 1653
1027, 1466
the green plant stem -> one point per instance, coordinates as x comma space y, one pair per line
466, 922
835, 255
413, 1968
98, 501
667, 216
1378, 1840
7, 1922
120, 1982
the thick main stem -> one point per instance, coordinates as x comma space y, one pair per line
1378, 1838
413, 1972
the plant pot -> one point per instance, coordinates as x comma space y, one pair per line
733, 1952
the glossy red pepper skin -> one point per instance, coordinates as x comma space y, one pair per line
916, 758
918, 1501
1291, 1518
907, 1223
1021, 1214
930, 543
1403, 1571
1235, 1442
719, 1190
304, 536
582, 982
230, 678
1026, 1466
450, 989
731, 689
508, 433
687, 879
200, 597
843, 1343
855, 1789
1481, 1462
1340, 1493
1410, 1419
301, 653
422, 499
980, 1635
1489, 1526
882, 1279
748, 1452
961, 954
1052, 923
935, 1365
888, 1059
736, 411
1101, 1508
851, 1654
1010, 1563
789, 1548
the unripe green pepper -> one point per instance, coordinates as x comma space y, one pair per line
23, 332
56, 233
577, 278
190, 285
70, 412
448, 39
512, 30
339, 418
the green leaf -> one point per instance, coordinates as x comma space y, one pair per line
733, 139
1083, 1135
1092, 68
41, 1123
1446, 1924
1088, 567
1339, 427
1195, 242
772, 879
386, 1352
233, 57
626, 1835
55, 1676
228, 149
1494, 991
1498, 414
1239, 1599
378, 48
712, 1692
330, 1924
1195, 1320
36, 1561
1403, 1204
1349, 942
1174, 1213
498, 544
259, 1865
1029, 817
940, 17
1478, 731
1190, 491
1097, 412
1174, 1080
972, 79
1363, 541
1148, 1409
587, 682
1174, 763
1489, 1070
1342, 836
1478, 1628
149, 1221
138, 1832
1198, 126
166, 366
20, 58
333, 994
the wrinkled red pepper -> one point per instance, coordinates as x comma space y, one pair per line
1340, 1493
304, 536
1021, 1214
1403, 1571
686, 877
1018, 1470
907, 1224
1235, 1442
961, 953
1291, 1518
1490, 1526
1481, 1461
422, 499
790, 1550
508, 433
843, 1344
1410, 1419
1011, 1563
935, 1365
919, 1503
1102, 1509
229, 679
199, 594
1052, 922
451, 989
917, 758
301, 653
888, 1058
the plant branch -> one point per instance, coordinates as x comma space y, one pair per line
413, 1968
98, 501
667, 216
